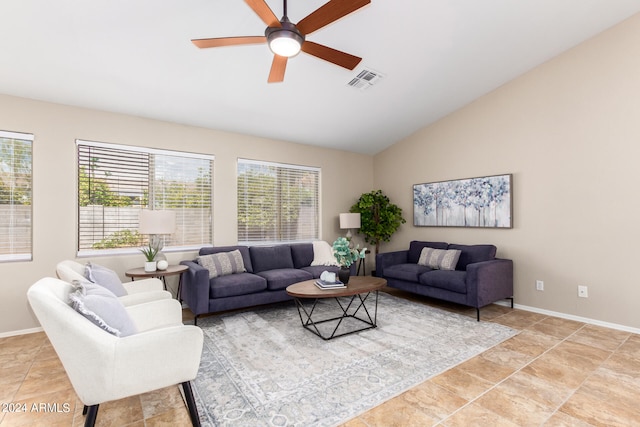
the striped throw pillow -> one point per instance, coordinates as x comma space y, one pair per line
222, 263
439, 259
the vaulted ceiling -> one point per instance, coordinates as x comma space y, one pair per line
434, 56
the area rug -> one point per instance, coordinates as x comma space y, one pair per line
262, 368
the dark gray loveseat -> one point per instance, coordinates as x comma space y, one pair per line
479, 277
269, 270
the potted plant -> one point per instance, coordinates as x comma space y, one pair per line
346, 255
379, 218
149, 253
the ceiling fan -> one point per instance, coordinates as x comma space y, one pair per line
286, 39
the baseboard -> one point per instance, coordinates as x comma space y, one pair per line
570, 317
20, 332
505, 303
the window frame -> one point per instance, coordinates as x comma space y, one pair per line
81, 253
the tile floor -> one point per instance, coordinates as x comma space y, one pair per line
555, 372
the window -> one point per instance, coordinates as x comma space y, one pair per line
115, 182
15, 196
277, 203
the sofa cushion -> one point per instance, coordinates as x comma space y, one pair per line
266, 258
102, 308
473, 253
302, 254
104, 277
316, 270
439, 259
454, 281
409, 272
244, 250
415, 248
222, 263
236, 284
280, 278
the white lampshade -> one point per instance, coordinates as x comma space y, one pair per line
157, 222
349, 220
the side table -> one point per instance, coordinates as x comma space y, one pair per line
363, 264
171, 270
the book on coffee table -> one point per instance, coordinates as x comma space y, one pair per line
330, 285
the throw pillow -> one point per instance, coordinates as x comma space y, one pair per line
102, 307
439, 259
222, 263
104, 277
323, 254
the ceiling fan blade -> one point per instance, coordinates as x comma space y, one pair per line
228, 41
265, 13
332, 55
278, 66
328, 13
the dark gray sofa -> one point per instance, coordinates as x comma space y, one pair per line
479, 278
269, 270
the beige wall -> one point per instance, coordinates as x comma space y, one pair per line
569, 132
56, 128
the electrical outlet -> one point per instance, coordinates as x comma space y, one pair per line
583, 292
539, 285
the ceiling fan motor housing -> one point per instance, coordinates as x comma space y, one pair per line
286, 37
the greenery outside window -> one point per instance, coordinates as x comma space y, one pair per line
277, 202
15, 196
116, 182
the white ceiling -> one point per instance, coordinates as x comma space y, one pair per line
135, 57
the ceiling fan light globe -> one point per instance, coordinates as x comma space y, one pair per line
285, 47
285, 43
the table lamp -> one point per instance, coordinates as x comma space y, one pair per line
349, 221
155, 223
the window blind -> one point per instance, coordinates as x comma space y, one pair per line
277, 202
15, 196
116, 182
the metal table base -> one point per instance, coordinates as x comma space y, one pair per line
355, 309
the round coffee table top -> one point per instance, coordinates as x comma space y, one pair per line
169, 271
356, 285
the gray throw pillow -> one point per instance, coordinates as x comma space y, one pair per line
102, 307
104, 277
222, 263
439, 259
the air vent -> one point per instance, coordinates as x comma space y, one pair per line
365, 79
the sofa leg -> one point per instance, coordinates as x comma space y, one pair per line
478, 314
195, 320
511, 301
191, 404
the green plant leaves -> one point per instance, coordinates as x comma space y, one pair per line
379, 218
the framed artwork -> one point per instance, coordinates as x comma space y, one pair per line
473, 202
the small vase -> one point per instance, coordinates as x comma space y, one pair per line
150, 266
343, 274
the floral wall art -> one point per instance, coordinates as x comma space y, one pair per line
473, 202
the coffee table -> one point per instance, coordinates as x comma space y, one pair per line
350, 302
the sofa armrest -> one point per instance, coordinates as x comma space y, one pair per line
489, 281
195, 287
143, 285
156, 314
388, 259
143, 297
